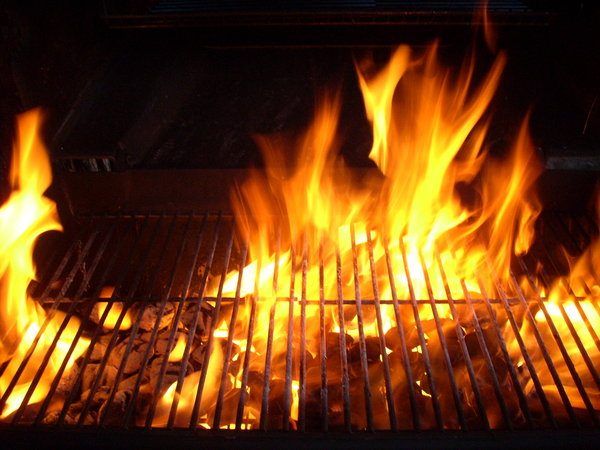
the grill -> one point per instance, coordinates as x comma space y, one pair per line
169, 262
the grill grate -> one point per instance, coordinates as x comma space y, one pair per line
489, 376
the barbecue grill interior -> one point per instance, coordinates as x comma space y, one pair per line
357, 226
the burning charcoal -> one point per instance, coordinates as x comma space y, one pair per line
276, 399
91, 372
349, 313
150, 317
143, 402
98, 352
490, 340
203, 318
160, 346
51, 418
67, 381
129, 382
393, 341
333, 343
72, 416
372, 350
145, 337
197, 355
230, 402
115, 410
436, 350
135, 358
171, 372
255, 384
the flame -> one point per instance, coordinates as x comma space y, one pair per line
177, 351
187, 396
23, 218
429, 127
571, 300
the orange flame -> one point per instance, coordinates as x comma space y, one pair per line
23, 218
429, 128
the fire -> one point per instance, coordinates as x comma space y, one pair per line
570, 313
23, 218
429, 127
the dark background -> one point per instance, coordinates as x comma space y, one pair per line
185, 84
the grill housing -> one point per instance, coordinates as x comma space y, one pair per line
154, 258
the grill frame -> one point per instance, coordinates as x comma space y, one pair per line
91, 244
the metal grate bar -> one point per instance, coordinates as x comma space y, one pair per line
448, 363
242, 401
302, 374
154, 333
565, 355
545, 353
71, 397
171, 340
401, 334
109, 265
229, 345
382, 343
461, 339
209, 343
361, 334
134, 328
544, 278
83, 285
512, 357
426, 361
194, 324
586, 320
342, 340
289, 346
264, 410
50, 315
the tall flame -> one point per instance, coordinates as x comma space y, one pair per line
23, 218
429, 127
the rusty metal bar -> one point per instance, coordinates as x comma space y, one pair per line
264, 410
342, 341
302, 374
582, 350
254, 299
588, 324
68, 316
193, 325
171, 340
108, 266
463, 345
426, 361
154, 333
230, 336
524, 352
438, 325
380, 332
322, 338
69, 279
96, 333
404, 349
560, 344
543, 348
289, 351
361, 334
134, 328
209, 343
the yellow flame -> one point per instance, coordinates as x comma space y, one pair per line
23, 218
429, 127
